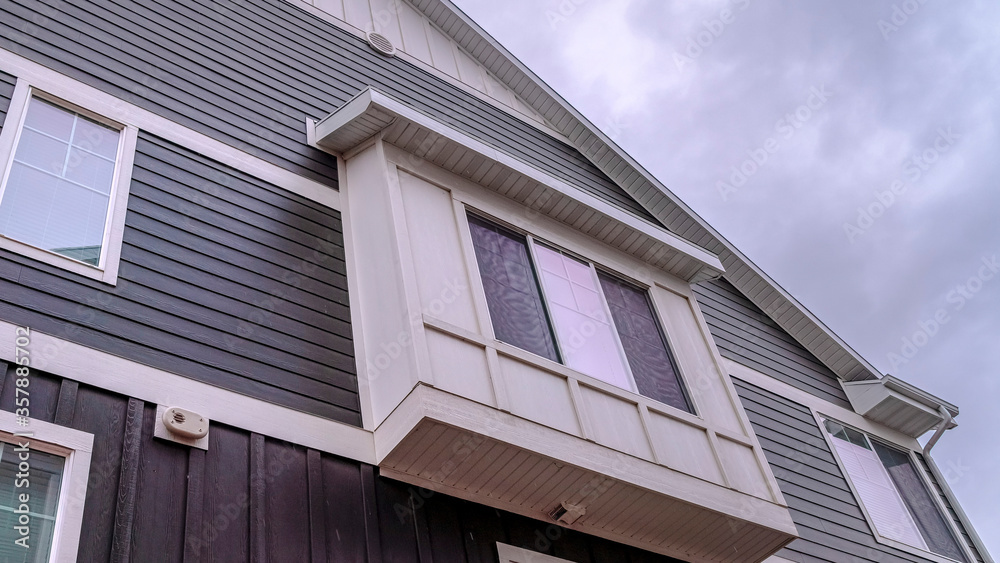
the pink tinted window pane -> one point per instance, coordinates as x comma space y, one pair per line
588, 342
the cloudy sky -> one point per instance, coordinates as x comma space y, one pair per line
877, 205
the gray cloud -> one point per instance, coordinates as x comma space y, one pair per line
894, 88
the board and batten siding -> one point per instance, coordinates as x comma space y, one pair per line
223, 278
827, 516
249, 72
253, 498
745, 334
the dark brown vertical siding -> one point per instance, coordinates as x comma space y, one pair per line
154, 500
223, 278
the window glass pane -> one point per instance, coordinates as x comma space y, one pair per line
645, 347
58, 190
512, 293
43, 490
578, 315
915, 495
877, 493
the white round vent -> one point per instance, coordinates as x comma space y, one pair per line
381, 43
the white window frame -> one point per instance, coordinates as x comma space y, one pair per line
511, 554
107, 268
915, 550
531, 240
76, 447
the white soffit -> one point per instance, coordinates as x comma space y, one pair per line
898, 405
372, 113
641, 185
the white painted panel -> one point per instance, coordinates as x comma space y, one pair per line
539, 396
389, 360
460, 367
615, 423
358, 13
442, 51
576, 304
470, 71
683, 447
386, 19
414, 33
442, 277
695, 359
742, 469
333, 7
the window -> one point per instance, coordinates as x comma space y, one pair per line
55, 485
894, 495
568, 311
42, 488
64, 185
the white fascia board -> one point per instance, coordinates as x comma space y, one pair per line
371, 111
495, 50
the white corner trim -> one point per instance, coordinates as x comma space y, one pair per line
77, 448
128, 114
106, 371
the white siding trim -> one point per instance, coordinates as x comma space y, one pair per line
119, 110
76, 447
106, 371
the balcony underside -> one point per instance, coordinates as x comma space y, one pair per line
448, 444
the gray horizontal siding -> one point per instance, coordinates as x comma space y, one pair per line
966, 538
223, 278
827, 517
249, 72
745, 334
6, 91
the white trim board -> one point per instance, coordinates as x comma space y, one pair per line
106, 371
128, 114
77, 447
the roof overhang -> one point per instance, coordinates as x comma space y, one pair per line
786, 311
373, 114
899, 405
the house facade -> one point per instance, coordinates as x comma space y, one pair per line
341, 280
